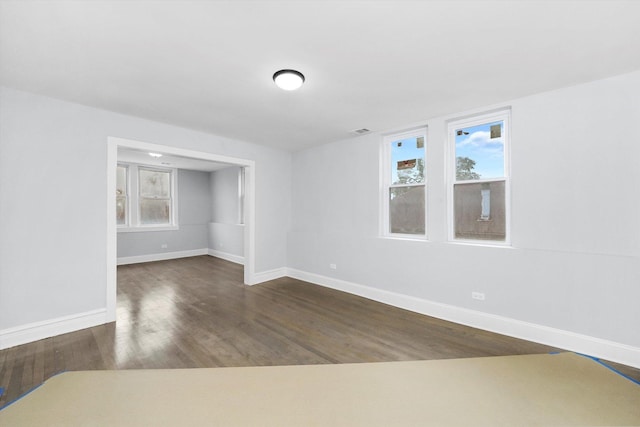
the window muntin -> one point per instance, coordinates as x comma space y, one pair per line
405, 184
479, 181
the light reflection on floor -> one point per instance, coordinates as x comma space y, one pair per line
145, 325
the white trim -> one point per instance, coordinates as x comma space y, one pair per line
161, 256
241, 187
112, 237
249, 223
265, 276
597, 347
147, 228
48, 328
226, 256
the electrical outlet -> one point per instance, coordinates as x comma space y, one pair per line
333, 266
477, 295
164, 246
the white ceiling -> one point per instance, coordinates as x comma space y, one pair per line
207, 65
130, 155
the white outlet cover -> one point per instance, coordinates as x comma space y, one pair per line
477, 295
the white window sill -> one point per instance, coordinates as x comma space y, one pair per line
147, 228
408, 237
482, 243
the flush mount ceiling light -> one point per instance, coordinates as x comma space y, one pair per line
288, 79
155, 155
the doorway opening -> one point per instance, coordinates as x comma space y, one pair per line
248, 167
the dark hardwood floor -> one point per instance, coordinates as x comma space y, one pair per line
195, 312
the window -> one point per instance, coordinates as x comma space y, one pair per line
145, 198
479, 178
121, 195
154, 196
404, 181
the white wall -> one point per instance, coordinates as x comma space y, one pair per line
194, 215
53, 181
224, 195
225, 232
574, 264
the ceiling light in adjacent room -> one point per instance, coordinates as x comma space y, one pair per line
288, 79
155, 155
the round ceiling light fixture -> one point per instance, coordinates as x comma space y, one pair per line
288, 79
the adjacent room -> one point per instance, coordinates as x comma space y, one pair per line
189, 207
319, 213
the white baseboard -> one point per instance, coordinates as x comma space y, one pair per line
39, 330
571, 341
265, 276
226, 256
161, 256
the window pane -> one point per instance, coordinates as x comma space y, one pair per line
407, 161
155, 183
479, 210
406, 210
155, 211
480, 151
121, 210
121, 181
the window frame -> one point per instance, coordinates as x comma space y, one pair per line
386, 185
133, 223
453, 125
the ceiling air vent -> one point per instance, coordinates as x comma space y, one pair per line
361, 131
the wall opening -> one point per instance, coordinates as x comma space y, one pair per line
248, 167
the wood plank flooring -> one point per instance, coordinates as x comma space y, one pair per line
195, 312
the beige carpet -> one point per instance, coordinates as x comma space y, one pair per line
563, 389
